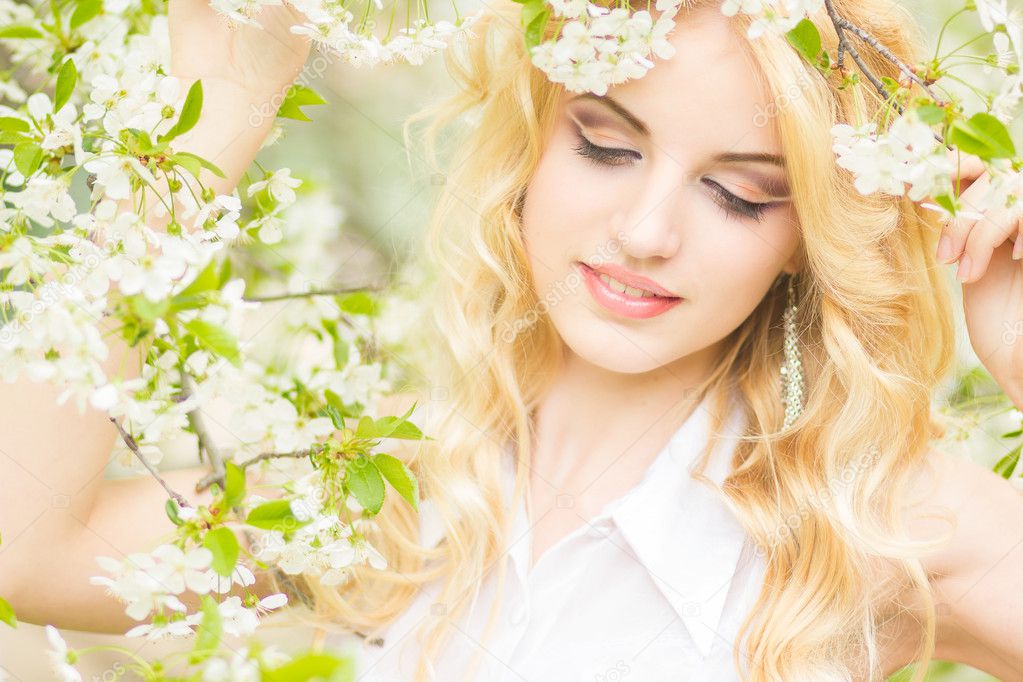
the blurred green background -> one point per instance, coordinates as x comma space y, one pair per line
364, 208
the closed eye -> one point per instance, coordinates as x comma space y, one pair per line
613, 156
736, 206
604, 156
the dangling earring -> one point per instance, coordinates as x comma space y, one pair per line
792, 368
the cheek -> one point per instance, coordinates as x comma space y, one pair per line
557, 212
755, 253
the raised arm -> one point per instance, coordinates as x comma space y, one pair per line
57, 513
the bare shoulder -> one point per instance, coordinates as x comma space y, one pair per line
974, 574
980, 511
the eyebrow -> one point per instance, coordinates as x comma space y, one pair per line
642, 129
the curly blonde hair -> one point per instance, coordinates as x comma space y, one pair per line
875, 328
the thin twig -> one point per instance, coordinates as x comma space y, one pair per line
198, 425
312, 292
134, 447
214, 477
845, 46
842, 25
889, 55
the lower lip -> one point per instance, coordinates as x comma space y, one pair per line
621, 303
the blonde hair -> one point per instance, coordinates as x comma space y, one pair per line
875, 328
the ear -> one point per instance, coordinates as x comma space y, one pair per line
794, 264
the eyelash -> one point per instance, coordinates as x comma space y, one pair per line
610, 156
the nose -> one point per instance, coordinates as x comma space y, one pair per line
650, 224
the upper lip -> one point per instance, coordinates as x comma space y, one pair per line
630, 278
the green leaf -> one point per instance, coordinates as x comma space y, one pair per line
15, 124
1007, 464
359, 303
86, 9
189, 113
982, 135
27, 157
400, 477
312, 666
191, 296
148, 310
298, 96
66, 80
215, 339
274, 515
947, 202
194, 164
19, 31
223, 544
806, 39
171, 507
367, 428
930, 114
535, 17
234, 484
365, 482
393, 427
398, 427
225, 272
335, 408
207, 637
13, 138
7, 613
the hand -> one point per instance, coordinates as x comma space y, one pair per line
262, 61
992, 279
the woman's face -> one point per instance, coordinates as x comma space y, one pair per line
666, 177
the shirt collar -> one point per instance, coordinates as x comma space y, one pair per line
680, 528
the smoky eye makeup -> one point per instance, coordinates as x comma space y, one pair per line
599, 147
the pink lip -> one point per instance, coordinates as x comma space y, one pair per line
632, 279
620, 302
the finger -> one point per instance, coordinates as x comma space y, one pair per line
953, 237
989, 233
967, 167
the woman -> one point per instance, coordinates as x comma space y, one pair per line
564, 537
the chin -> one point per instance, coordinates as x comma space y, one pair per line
603, 346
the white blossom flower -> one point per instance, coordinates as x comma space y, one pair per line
61, 657
279, 184
23, 261
175, 627
240, 668
45, 199
240, 620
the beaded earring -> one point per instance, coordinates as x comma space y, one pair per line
792, 367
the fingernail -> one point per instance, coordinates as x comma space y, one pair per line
964, 268
944, 248
1017, 248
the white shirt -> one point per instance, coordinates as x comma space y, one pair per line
653, 588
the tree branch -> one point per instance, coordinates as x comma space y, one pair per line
198, 425
842, 25
845, 46
134, 447
215, 477
312, 292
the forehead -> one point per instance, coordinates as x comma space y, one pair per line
708, 94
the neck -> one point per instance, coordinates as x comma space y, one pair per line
591, 418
